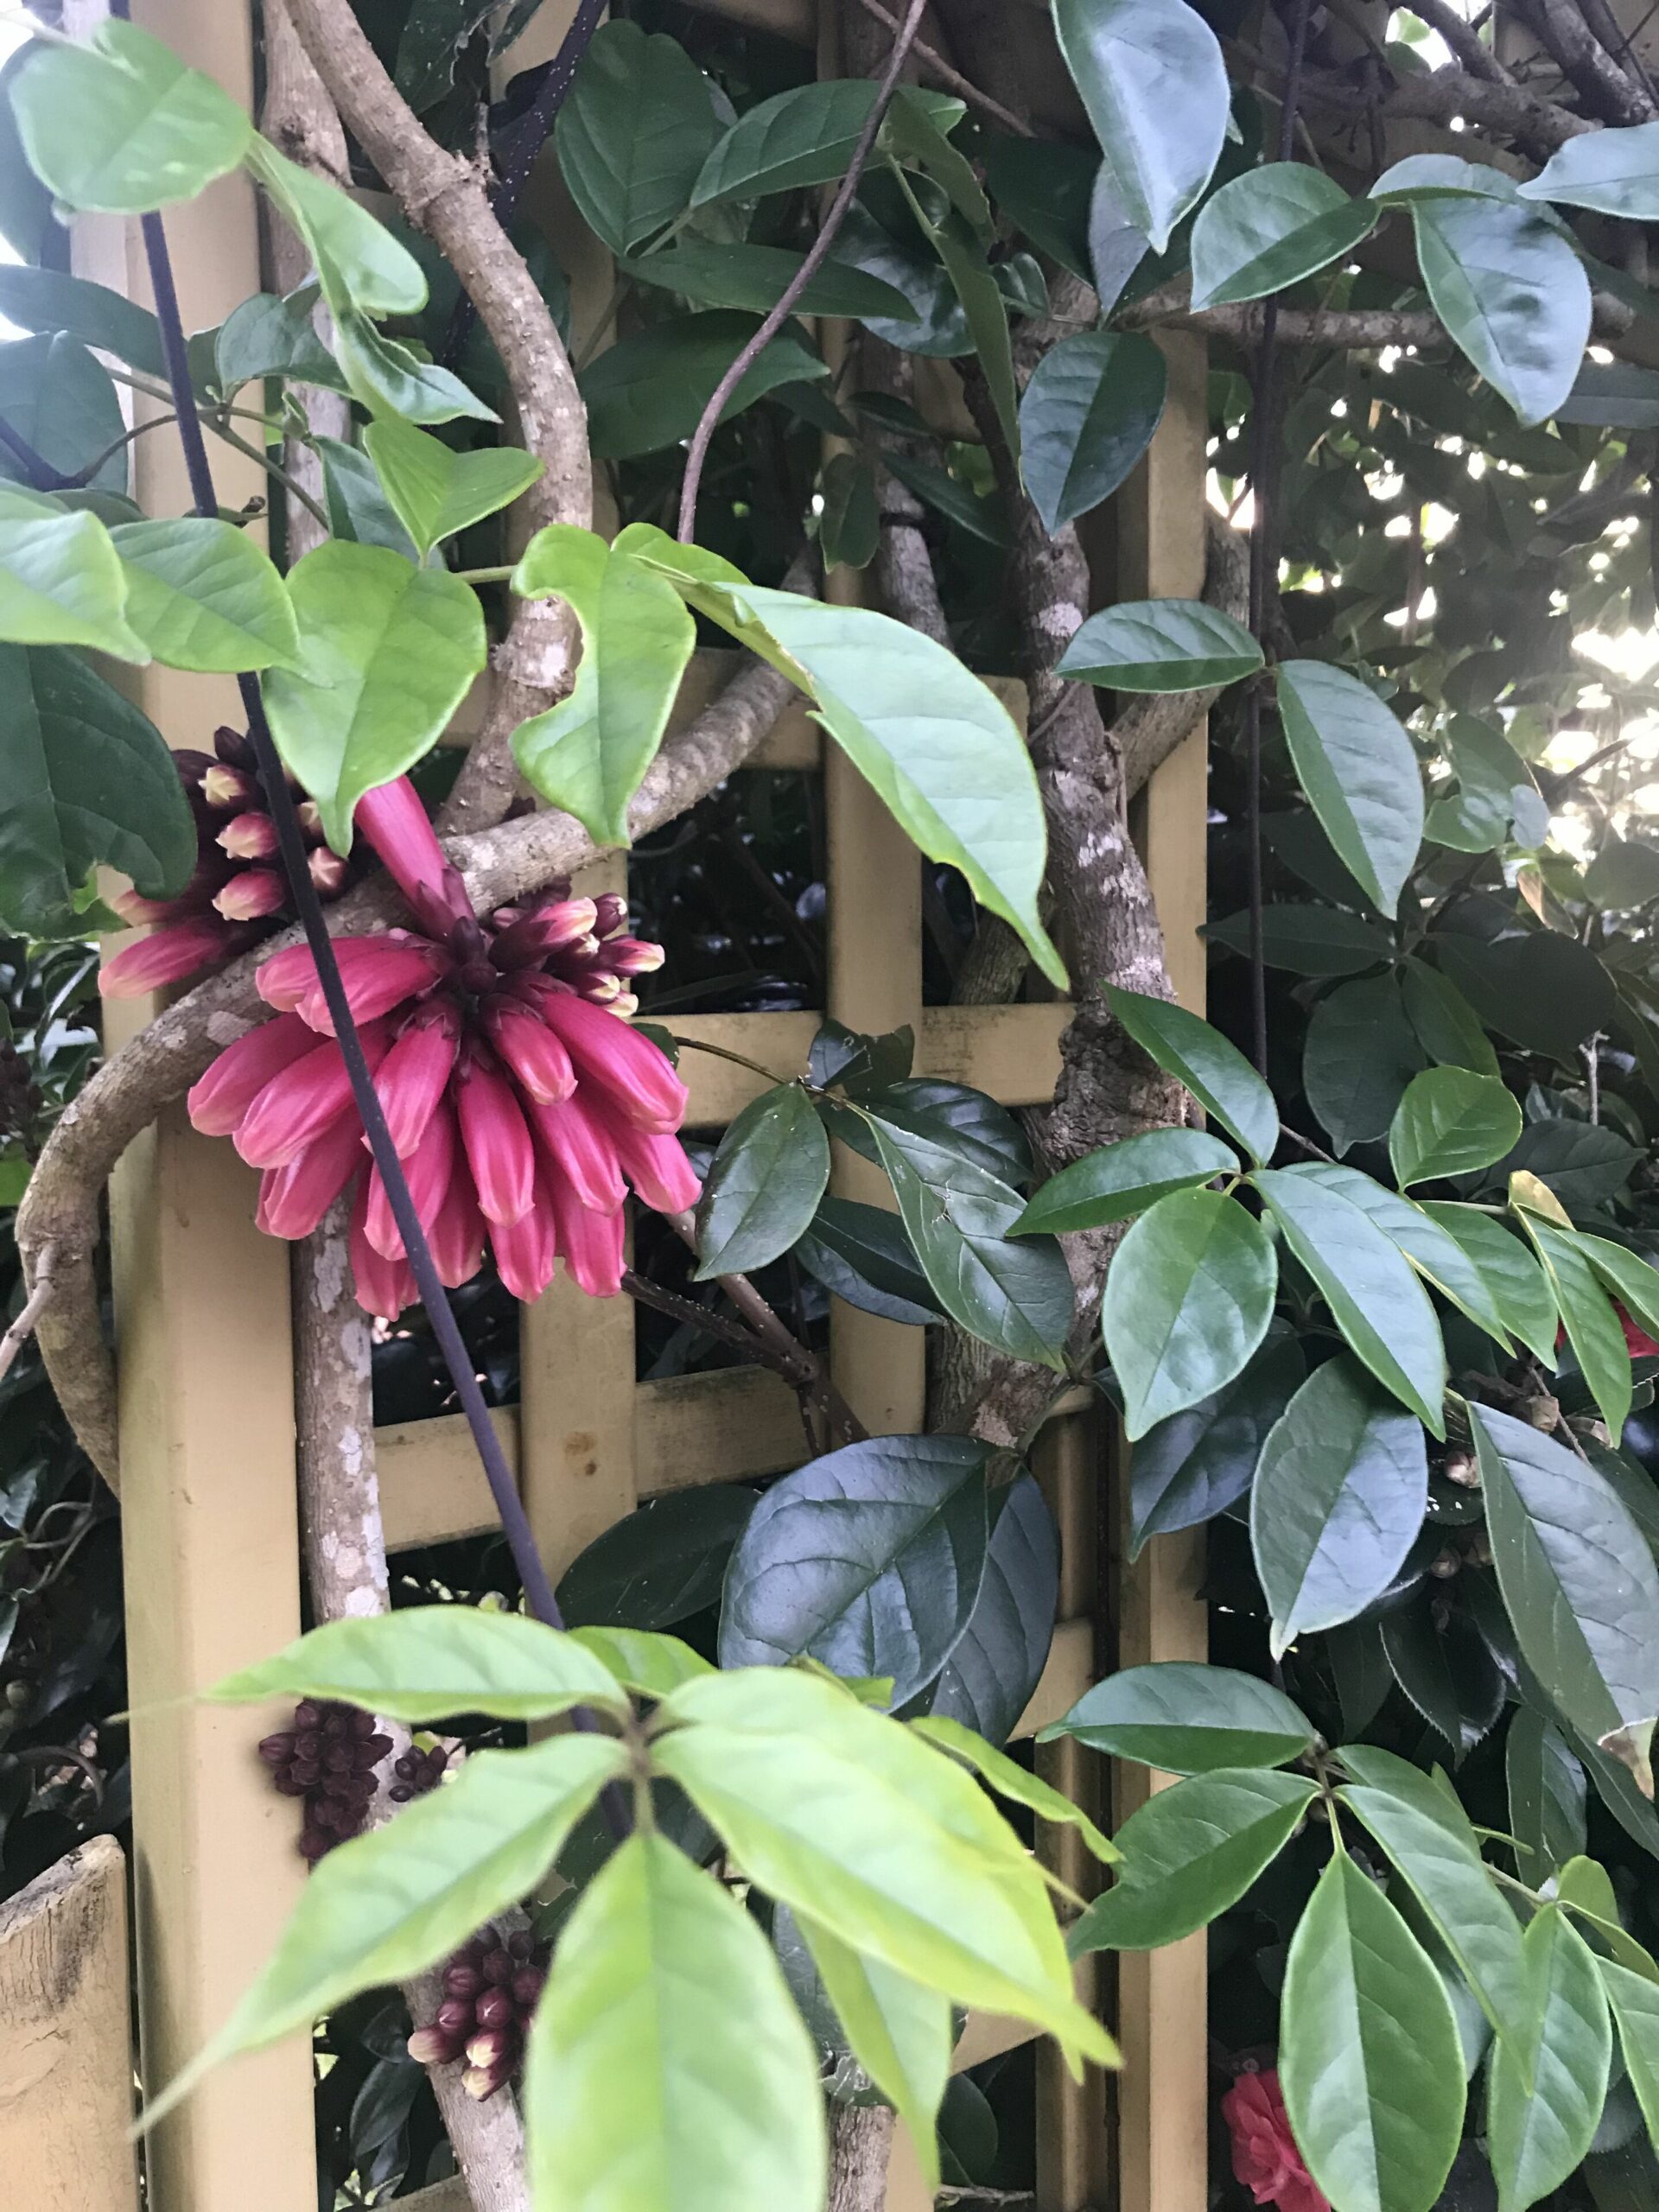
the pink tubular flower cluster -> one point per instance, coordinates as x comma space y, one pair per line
238, 893
522, 1104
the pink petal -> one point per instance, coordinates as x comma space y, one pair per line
293, 1199
592, 1244
378, 977
526, 942
291, 975
633, 955
457, 1236
427, 1172
498, 1149
299, 1103
384, 1287
413, 1074
531, 1051
658, 1168
224, 1095
251, 894
627, 1067
393, 820
525, 1250
168, 957
576, 1138
250, 836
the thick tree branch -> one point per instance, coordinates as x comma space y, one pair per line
1561, 28
1464, 40
1358, 330
446, 197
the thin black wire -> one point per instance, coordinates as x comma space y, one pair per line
1264, 472
538, 1590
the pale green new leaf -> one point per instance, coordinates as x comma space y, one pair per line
1188, 1299
588, 753
1356, 764
389, 653
437, 491
1370, 2057
1543, 2105
1011, 1780
668, 2068
900, 2033
423, 1662
61, 583
357, 259
851, 1820
120, 126
204, 595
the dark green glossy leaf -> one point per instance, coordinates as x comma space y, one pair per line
1269, 229
989, 1678
984, 310
1339, 1500
1213, 1069
1188, 1719
1547, 1794
1356, 764
882, 237
912, 137
1369, 2058
1195, 1464
1161, 644
1584, 1163
1188, 1299
1044, 185
981, 517
1543, 2104
753, 278
1308, 940
850, 528
1088, 415
861, 1254
657, 1565
1152, 77
47, 300
1447, 1027
649, 391
1593, 1327
1635, 2003
634, 132
1189, 1853
1359, 1057
947, 1114
1624, 874
1450, 1122
805, 136
1447, 1670
764, 1188
1518, 1285
1612, 395
1438, 1257
433, 35
1126, 1178
869, 1559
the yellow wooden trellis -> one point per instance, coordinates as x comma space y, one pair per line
205, 1366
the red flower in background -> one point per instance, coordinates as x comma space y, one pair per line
1265, 2155
238, 893
521, 1102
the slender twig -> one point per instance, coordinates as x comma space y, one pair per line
687, 1311
952, 80
818, 254
279, 800
274, 469
1462, 39
23, 1327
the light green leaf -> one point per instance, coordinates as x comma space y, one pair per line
855, 1822
268, 335
1369, 2058
437, 491
424, 1662
61, 584
1614, 172
1188, 1297
1011, 1781
1547, 1794
1188, 1719
1593, 1327
1126, 1178
120, 126
1337, 1502
1451, 1123
203, 594
393, 1903
1159, 644
761, 1192
1375, 1298
1269, 229
1518, 1285
668, 2065
634, 131
983, 306
1189, 1853
359, 261
644, 1660
1579, 1583
589, 753
803, 137
1357, 768
900, 2033
390, 653
1152, 80
1630, 1279
1635, 2003
1544, 2107
392, 380
1212, 1068
85, 777
1088, 415
1426, 1834
1510, 290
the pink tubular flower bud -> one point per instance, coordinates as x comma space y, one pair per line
527, 941
218, 1102
591, 1244
580, 1152
293, 1199
658, 1168
599, 987
624, 1005
526, 1250
498, 1149
414, 1073
311, 815
224, 787
168, 957
134, 907
610, 913
251, 836
327, 872
380, 976
299, 1103
628, 1068
482, 2082
251, 894
393, 820
427, 1172
384, 1287
530, 1049
431, 2047
633, 955
457, 1235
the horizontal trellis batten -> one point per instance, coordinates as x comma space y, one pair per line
206, 1422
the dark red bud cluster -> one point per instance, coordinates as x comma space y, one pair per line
416, 1772
327, 1759
490, 1990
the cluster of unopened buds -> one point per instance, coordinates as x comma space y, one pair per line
327, 1759
490, 1990
521, 1102
238, 893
